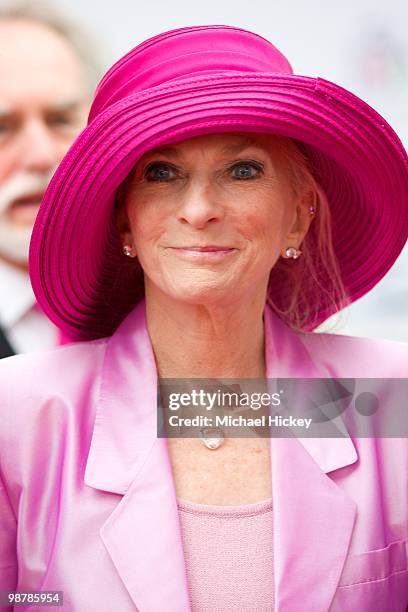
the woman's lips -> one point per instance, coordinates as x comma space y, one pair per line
205, 249
203, 253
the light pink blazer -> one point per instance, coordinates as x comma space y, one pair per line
87, 501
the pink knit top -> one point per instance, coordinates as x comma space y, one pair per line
228, 554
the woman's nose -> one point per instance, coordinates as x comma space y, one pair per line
200, 206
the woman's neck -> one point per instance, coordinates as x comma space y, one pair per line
191, 341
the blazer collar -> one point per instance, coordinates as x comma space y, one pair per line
142, 534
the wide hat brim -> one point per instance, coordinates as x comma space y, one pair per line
79, 274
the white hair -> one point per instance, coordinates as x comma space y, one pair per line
88, 49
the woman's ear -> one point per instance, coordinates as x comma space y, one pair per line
303, 215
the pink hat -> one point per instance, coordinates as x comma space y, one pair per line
195, 81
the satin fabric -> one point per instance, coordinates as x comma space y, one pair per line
87, 499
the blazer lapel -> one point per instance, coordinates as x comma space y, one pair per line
142, 534
313, 517
313, 522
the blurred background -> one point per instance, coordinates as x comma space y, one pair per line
361, 45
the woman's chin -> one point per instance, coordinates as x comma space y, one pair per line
203, 296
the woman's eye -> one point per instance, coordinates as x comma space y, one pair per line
245, 171
159, 172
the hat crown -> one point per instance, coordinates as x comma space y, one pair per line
183, 53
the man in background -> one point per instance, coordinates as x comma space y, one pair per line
47, 74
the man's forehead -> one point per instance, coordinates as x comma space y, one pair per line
38, 67
28, 46
19, 36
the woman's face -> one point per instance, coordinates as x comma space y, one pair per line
209, 217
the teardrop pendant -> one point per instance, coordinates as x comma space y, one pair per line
212, 437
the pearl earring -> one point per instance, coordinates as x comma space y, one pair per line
292, 253
128, 251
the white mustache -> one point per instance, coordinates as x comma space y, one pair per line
22, 185
15, 239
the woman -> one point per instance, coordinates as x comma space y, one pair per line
216, 209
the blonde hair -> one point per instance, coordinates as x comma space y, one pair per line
316, 272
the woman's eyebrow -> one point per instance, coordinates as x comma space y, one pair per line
164, 151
